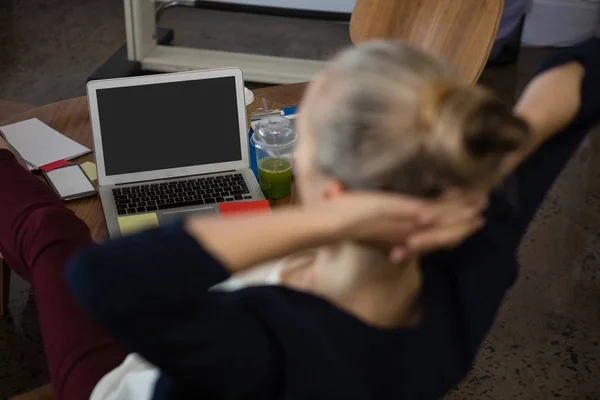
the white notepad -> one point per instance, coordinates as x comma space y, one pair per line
39, 144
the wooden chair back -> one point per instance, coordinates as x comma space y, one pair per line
460, 32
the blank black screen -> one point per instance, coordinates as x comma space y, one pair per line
169, 125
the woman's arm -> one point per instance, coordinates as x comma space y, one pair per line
563, 94
150, 290
246, 241
551, 101
548, 104
34, 223
563, 98
484, 267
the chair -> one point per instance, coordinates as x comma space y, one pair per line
460, 32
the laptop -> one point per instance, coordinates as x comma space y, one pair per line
171, 144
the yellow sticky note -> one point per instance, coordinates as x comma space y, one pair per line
90, 170
134, 223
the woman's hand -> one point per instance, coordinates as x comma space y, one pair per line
393, 221
374, 217
408, 225
459, 216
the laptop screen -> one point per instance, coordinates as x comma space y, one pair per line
169, 125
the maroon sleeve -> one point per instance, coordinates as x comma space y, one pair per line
24, 202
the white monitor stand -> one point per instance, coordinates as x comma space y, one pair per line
142, 47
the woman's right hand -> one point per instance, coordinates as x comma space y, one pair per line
386, 220
406, 224
459, 217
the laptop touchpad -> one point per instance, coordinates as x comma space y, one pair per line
165, 216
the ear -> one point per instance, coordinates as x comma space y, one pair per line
333, 188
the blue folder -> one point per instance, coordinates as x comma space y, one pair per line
253, 164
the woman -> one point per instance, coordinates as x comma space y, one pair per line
204, 302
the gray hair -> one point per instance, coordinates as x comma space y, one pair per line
404, 122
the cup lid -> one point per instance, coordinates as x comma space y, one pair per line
273, 133
273, 123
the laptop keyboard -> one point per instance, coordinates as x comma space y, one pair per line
182, 193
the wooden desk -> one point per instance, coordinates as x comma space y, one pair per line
71, 118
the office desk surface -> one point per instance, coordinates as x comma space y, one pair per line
71, 118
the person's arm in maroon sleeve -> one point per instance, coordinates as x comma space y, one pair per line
38, 235
25, 202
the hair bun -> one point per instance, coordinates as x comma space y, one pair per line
468, 131
433, 96
493, 129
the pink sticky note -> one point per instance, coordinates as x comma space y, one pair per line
54, 165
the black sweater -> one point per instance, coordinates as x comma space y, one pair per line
151, 292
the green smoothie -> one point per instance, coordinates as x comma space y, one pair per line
275, 175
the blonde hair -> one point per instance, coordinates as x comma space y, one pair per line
404, 122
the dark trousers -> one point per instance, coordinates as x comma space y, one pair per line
38, 235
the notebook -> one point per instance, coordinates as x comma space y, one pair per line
39, 144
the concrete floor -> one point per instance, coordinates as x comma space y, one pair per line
545, 343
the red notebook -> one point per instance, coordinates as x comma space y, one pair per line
242, 207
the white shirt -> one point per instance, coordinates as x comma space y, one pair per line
135, 378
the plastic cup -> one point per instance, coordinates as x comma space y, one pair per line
274, 146
274, 175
